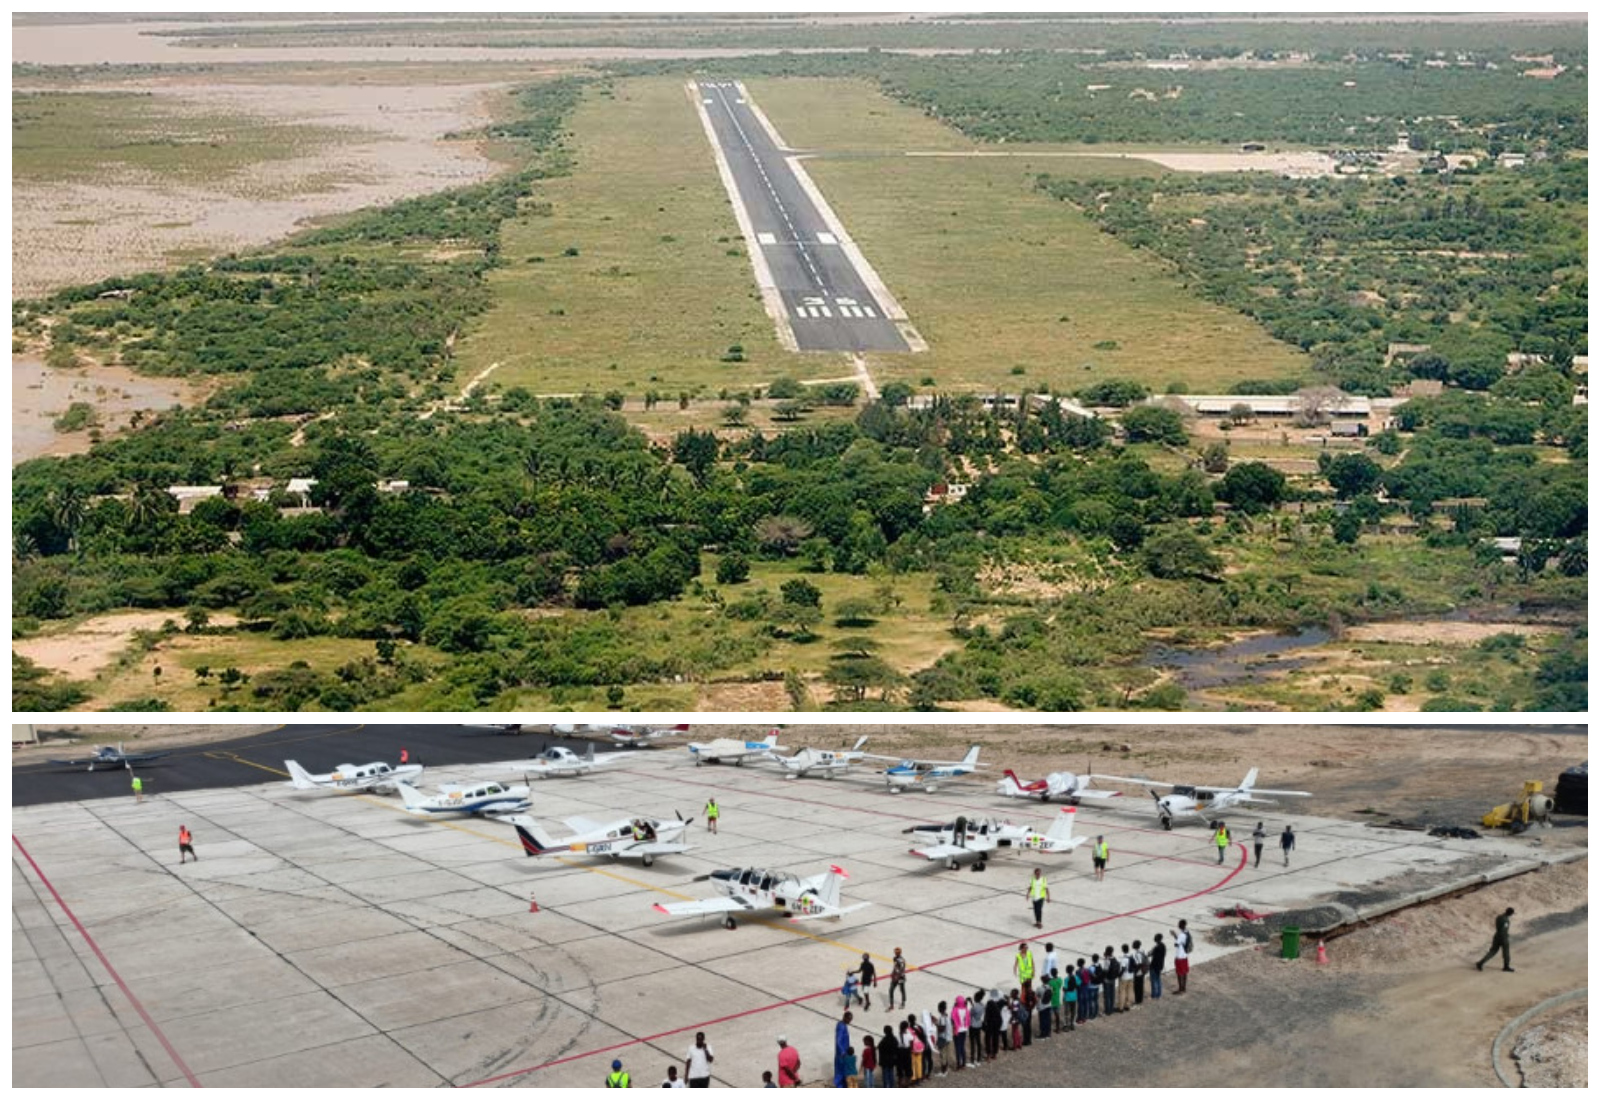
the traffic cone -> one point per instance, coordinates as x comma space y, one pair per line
533, 904
1322, 953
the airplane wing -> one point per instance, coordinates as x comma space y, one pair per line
704, 907
1146, 782
1276, 794
974, 846
582, 825
655, 848
1096, 796
509, 806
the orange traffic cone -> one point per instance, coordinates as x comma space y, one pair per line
1322, 953
533, 904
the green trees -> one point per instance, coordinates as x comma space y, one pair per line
1253, 487
1352, 475
1153, 424
1176, 554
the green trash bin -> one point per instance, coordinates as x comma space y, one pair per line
1291, 942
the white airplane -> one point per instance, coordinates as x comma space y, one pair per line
455, 798
623, 733
829, 762
558, 761
641, 838
927, 774
754, 891
376, 776
975, 838
1195, 801
1063, 785
731, 749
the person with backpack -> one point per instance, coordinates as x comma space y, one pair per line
1158, 961
851, 990
1049, 1003
943, 1025
1141, 964
1110, 972
993, 1022
1125, 980
1180, 954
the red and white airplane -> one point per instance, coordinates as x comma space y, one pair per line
1062, 785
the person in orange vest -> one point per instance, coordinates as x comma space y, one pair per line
405, 757
186, 845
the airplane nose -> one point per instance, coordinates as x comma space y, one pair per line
725, 876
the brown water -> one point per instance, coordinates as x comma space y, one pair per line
39, 394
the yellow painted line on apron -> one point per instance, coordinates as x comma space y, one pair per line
241, 760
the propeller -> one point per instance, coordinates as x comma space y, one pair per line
701, 878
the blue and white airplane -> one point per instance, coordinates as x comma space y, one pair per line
927, 774
479, 798
731, 749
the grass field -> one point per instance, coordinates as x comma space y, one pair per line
848, 116
58, 136
660, 287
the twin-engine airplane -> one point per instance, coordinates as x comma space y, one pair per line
480, 798
1063, 785
927, 774
107, 756
731, 749
641, 838
757, 892
973, 839
1191, 801
376, 776
828, 762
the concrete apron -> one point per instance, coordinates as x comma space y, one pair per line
333, 940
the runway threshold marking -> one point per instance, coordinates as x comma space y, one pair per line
833, 991
138, 1006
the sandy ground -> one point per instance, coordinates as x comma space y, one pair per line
1399, 1003
95, 643
1297, 164
66, 233
1451, 633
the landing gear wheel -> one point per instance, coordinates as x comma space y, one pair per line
1166, 823
952, 864
730, 924
648, 861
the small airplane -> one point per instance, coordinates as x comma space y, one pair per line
376, 776
558, 761
731, 749
641, 838
754, 891
927, 774
1062, 785
623, 733
1195, 801
105, 756
453, 798
827, 761
976, 838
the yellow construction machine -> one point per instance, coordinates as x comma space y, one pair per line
1533, 806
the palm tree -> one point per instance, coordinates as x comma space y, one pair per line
68, 508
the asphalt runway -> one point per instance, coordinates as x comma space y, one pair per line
827, 301
254, 759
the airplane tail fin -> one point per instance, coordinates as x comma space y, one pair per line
831, 888
859, 742
1250, 780
1010, 786
971, 757
772, 740
409, 795
1061, 829
299, 778
589, 756
534, 840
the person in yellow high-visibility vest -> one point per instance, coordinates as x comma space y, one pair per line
1222, 840
618, 1077
1101, 854
1022, 965
1038, 893
712, 813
